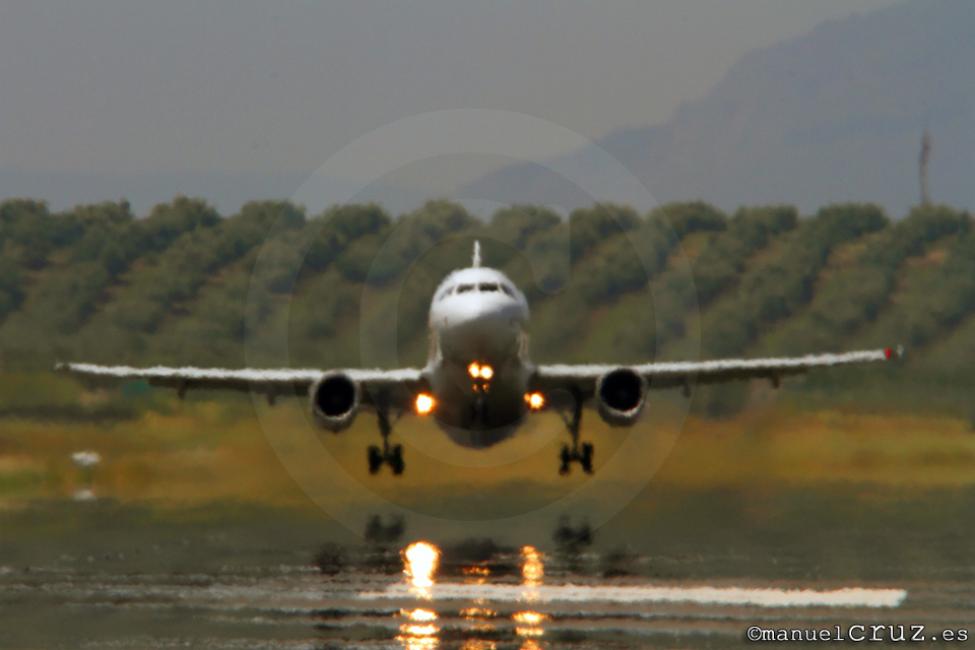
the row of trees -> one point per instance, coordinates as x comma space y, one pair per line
862, 286
97, 283
775, 289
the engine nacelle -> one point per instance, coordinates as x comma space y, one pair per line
334, 401
620, 395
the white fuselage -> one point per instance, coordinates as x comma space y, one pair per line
478, 316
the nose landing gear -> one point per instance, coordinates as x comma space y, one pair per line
583, 452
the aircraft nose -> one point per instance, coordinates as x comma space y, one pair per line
493, 312
480, 328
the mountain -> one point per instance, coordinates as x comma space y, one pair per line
836, 114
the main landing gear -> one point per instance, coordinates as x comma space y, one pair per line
387, 454
581, 453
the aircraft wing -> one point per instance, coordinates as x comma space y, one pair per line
689, 373
270, 382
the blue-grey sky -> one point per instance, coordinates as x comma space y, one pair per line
183, 96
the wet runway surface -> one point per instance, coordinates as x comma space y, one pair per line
412, 597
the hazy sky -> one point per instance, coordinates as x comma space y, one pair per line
132, 87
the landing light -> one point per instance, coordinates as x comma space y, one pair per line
536, 400
476, 370
425, 404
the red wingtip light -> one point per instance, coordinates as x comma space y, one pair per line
889, 353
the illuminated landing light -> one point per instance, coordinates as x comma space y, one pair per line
425, 404
536, 401
478, 371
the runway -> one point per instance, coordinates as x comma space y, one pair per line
523, 600
648, 594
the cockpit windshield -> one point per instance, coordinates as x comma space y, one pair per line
483, 287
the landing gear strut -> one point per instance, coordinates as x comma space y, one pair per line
388, 454
577, 452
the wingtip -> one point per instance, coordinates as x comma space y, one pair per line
894, 353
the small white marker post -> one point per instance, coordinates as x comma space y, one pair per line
87, 461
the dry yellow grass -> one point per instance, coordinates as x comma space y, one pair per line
217, 451
826, 447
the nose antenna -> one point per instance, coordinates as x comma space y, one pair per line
476, 262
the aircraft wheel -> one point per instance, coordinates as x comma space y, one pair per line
375, 459
396, 460
564, 459
586, 460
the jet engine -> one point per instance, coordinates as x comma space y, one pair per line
620, 395
334, 400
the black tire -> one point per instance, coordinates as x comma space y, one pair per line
586, 460
375, 459
396, 460
565, 458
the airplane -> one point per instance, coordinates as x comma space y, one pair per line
479, 382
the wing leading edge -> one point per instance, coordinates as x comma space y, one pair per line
271, 382
688, 373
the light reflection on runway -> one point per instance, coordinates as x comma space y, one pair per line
420, 562
425, 598
420, 631
492, 606
528, 623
